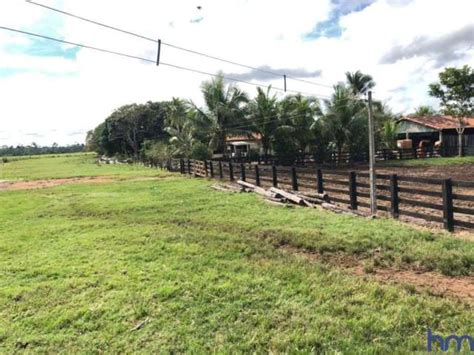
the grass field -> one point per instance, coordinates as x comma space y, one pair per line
435, 161
82, 265
71, 165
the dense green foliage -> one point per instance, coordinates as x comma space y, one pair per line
82, 265
127, 128
35, 149
425, 110
288, 126
455, 90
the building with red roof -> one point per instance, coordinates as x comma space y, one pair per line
442, 129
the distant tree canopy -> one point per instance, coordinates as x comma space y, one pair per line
35, 149
286, 126
425, 110
455, 90
127, 128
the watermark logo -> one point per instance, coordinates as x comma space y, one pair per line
455, 341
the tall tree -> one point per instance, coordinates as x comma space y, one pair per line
345, 120
177, 114
182, 140
130, 125
425, 110
455, 90
263, 117
301, 113
224, 112
359, 82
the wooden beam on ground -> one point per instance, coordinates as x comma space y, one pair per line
314, 198
289, 196
256, 189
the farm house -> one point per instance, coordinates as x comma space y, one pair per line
240, 146
437, 130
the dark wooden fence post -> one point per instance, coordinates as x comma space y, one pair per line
189, 167
221, 172
231, 171
448, 213
242, 172
211, 168
394, 209
181, 166
320, 181
294, 179
205, 168
257, 175
353, 190
274, 176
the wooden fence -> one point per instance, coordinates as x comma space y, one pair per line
442, 201
335, 158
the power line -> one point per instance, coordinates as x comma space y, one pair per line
276, 118
252, 123
103, 50
248, 123
76, 44
92, 21
175, 46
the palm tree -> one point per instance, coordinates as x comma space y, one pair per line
344, 119
359, 83
302, 111
223, 114
182, 140
263, 117
297, 117
177, 114
389, 134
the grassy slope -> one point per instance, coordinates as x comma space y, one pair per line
75, 165
436, 161
82, 264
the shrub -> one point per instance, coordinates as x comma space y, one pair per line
253, 154
200, 151
285, 147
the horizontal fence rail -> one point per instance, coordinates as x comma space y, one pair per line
442, 201
335, 158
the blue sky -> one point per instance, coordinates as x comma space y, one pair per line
43, 48
331, 27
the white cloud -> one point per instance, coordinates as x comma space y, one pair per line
58, 98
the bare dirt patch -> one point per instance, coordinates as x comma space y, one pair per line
433, 283
464, 172
41, 184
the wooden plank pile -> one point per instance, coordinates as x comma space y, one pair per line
282, 198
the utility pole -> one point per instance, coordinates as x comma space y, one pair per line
372, 173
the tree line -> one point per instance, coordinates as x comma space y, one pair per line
286, 126
35, 149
